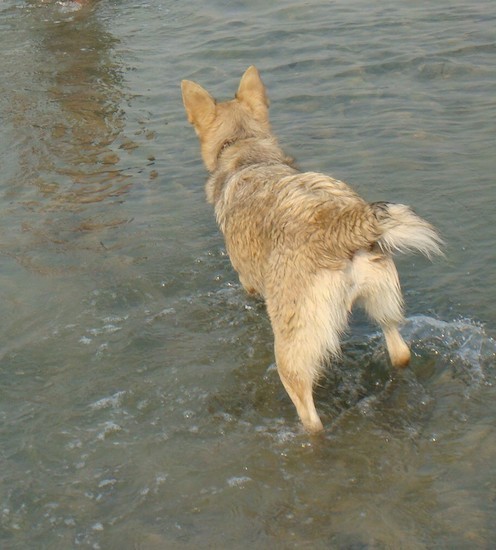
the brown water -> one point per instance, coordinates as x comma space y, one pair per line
139, 403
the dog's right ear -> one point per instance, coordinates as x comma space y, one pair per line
199, 105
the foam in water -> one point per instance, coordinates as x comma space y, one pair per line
112, 401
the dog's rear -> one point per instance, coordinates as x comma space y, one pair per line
304, 241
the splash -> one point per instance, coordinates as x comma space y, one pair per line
71, 6
463, 342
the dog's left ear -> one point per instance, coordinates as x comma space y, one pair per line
252, 93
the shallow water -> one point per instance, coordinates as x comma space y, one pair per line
139, 403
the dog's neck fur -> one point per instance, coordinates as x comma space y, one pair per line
236, 155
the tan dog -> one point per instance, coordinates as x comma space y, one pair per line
305, 242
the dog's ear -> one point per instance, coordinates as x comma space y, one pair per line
252, 93
199, 105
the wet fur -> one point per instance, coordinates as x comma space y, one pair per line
305, 242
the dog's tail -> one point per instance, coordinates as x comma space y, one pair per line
404, 231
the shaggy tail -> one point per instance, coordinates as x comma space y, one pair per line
404, 231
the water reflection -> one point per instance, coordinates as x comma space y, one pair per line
70, 132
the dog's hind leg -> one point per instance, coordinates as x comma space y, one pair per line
379, 289
398, 350
298, 376
307, 314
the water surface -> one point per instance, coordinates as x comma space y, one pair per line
139, 402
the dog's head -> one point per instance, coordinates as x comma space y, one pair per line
221, 124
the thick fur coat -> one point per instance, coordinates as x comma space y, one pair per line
305, 242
